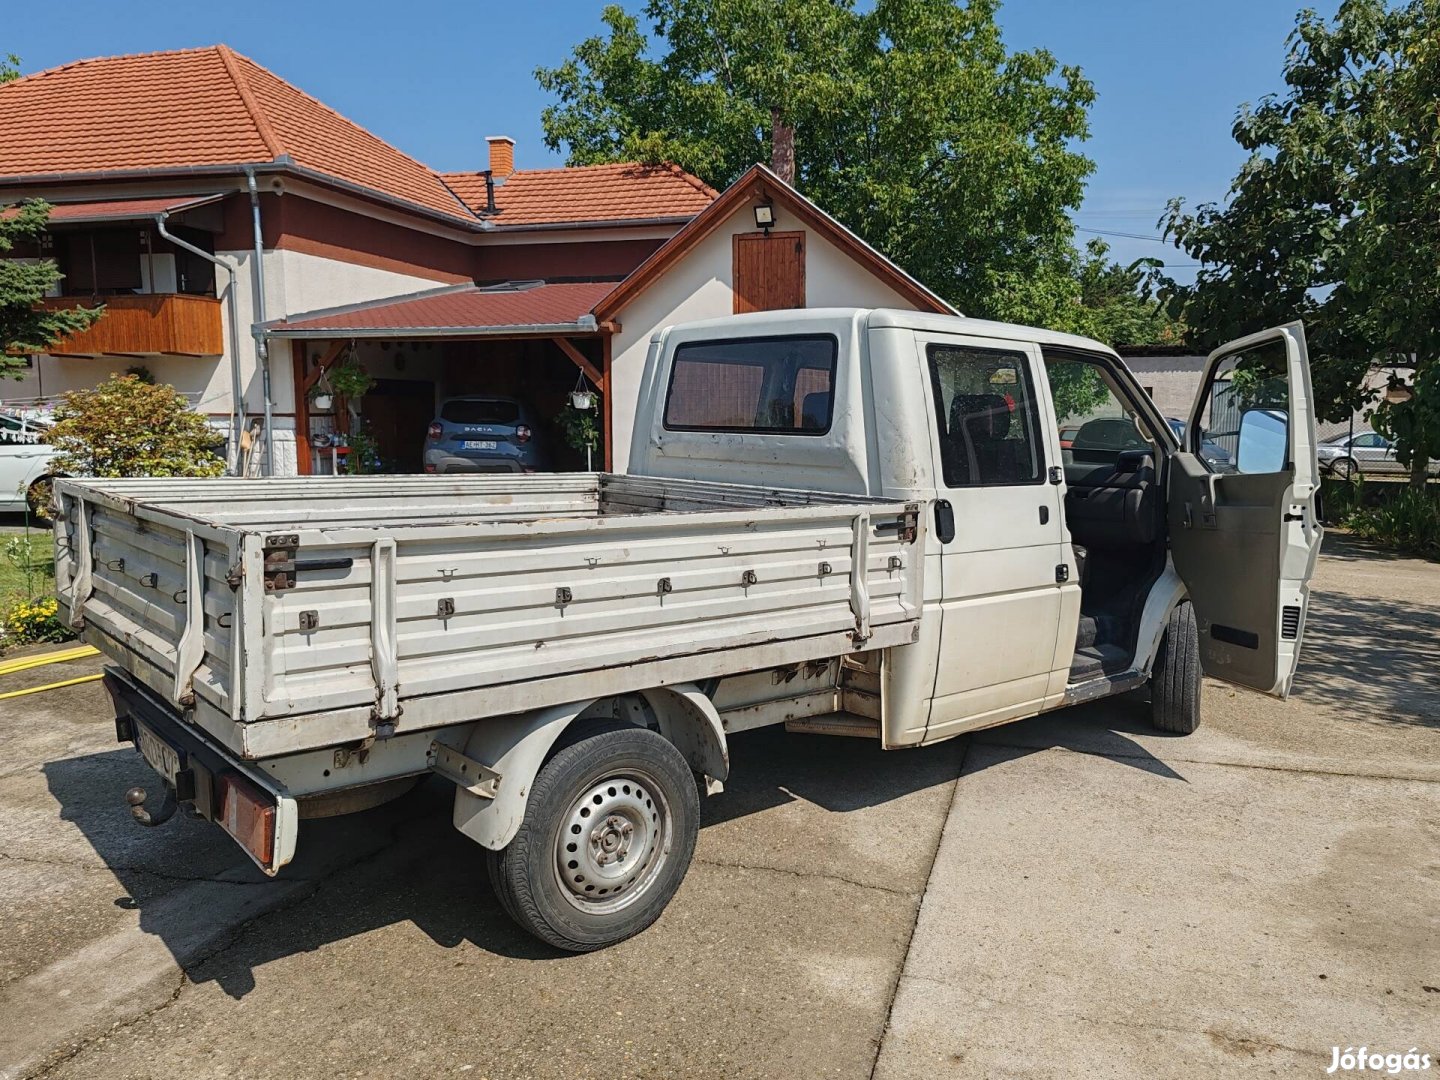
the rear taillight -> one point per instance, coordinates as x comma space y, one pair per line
247, 814
522, 433
434, 431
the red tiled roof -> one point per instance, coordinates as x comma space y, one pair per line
587, 194
192, 109
459, 309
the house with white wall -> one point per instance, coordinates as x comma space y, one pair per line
244, 238
760, 245
198, 195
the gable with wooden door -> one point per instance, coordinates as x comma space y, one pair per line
769, 271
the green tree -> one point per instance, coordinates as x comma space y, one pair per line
1335, 217
1116, 301
127, 427
911, 123
9, 67
24, 326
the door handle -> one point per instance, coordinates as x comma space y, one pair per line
1044, 515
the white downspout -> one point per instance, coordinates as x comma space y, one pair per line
262, 346
237, 392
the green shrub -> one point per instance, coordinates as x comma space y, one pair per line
127, 427
1409, 521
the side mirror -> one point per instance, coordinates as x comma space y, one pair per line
1264, 441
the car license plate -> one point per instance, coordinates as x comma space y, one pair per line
160, 755
478, 444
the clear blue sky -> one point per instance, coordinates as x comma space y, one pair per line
435, 78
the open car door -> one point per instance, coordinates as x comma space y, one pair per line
1242, 508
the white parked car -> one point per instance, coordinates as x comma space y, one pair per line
25, 462
842, 521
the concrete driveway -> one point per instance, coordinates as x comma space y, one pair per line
1072, 895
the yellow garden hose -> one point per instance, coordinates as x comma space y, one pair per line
25, 663
51, 686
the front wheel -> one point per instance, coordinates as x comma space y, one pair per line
607, 837
1175, 678
1346, 468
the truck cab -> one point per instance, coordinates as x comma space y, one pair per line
1054, 573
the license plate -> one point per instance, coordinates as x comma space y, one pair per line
158, 754
478, 444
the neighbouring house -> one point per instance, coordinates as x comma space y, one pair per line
1170, 374
244, 237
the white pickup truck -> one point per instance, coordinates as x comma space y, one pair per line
854, 522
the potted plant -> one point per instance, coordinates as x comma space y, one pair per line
349, 379
581, 427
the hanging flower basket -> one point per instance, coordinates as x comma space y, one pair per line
322, 402
582, 399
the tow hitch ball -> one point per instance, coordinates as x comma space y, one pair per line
168, 805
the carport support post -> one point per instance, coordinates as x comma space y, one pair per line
609, 418
302, 410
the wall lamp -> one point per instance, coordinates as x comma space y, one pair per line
765, 216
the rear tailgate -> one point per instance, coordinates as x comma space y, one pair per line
155, 593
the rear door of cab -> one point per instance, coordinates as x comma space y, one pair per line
1244, 533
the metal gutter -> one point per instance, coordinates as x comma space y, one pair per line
586, 324
237, 395
464, 219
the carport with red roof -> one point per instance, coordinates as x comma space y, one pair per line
531, 340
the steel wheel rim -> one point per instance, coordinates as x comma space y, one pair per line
612, 843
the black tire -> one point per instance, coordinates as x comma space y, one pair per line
1345, 468
615, 777
1175, 678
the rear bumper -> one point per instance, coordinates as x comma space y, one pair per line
252, 808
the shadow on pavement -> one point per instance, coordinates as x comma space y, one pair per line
1380, 657
1098, 727
405, 862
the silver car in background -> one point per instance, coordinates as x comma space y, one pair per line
1362, 452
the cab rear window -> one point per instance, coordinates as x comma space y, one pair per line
480, 411
763, 385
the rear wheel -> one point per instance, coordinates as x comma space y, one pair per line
1345, 468
1175, 678
607, 837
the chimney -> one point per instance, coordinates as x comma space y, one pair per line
782, 147
502, 156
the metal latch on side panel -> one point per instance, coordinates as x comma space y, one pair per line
279, 553
910, 523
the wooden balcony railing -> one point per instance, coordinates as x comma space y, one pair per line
145, 325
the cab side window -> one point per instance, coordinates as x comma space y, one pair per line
1246, 412
986, 415
1097, 424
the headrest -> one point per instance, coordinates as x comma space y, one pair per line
985, 416
814, 409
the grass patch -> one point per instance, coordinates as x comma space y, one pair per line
27, 565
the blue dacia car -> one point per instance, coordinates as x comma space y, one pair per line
484, 434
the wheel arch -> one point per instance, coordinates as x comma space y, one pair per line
1165, 595
517, 746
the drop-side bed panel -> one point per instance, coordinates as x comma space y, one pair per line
370, 595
